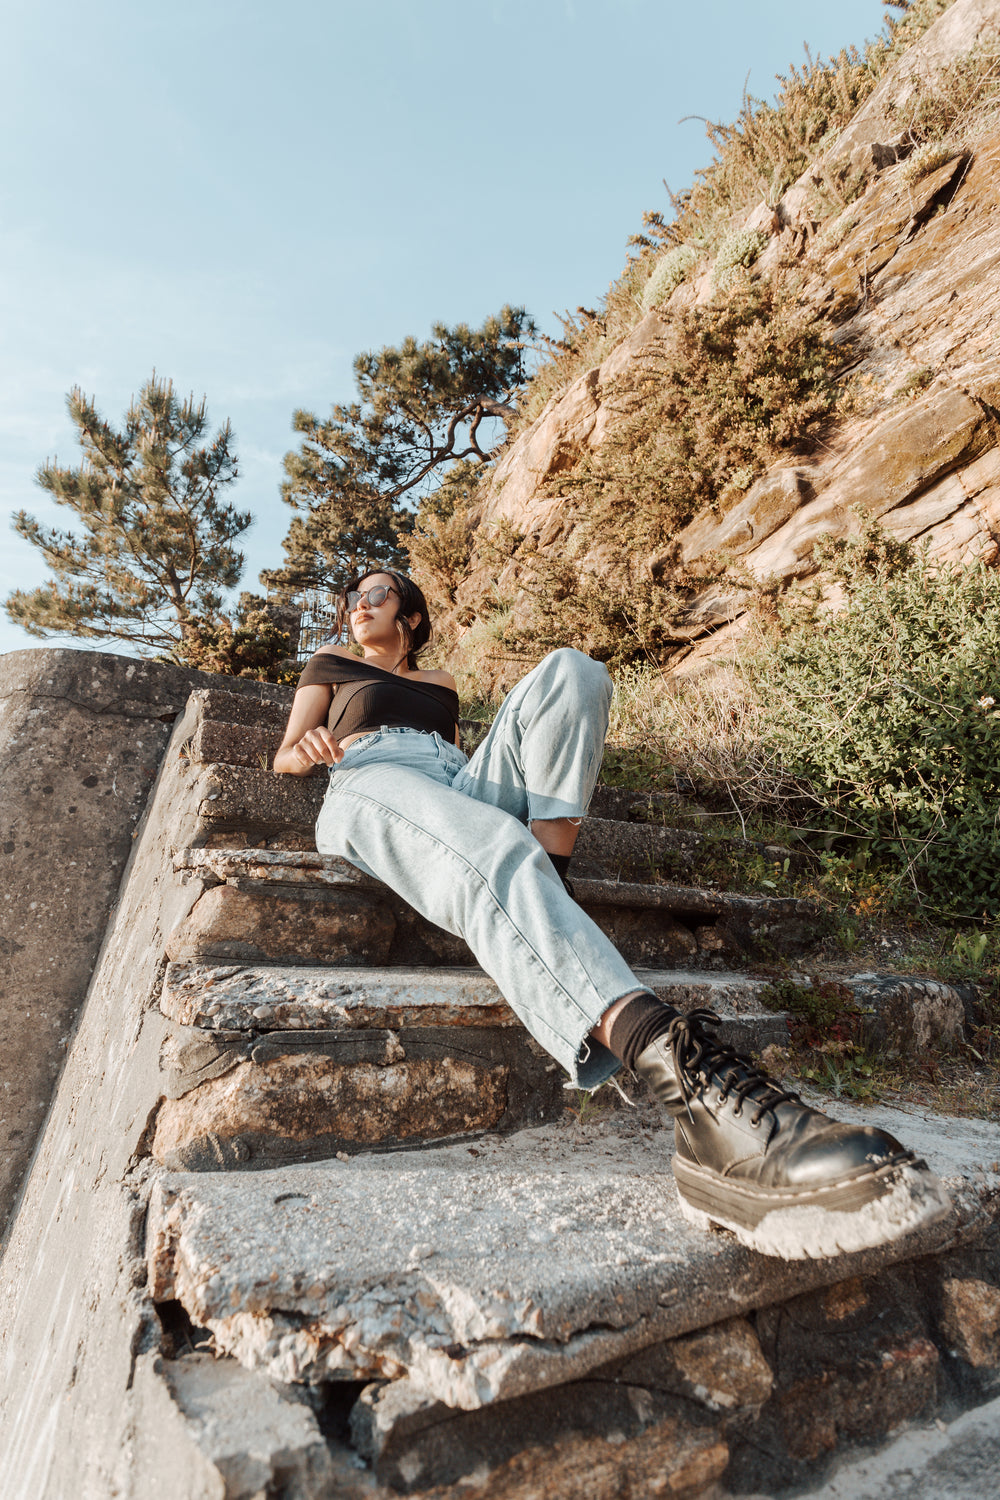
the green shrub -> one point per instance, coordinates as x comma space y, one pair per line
739, 249
890, 710
700, 414
925, 160
758, 156
668, 273
562, 604
252, 644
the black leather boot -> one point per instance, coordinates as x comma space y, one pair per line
786, 1179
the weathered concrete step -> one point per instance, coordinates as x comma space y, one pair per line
909, 1013
260, 805
232, 737
625, 845
255, 1102
223, 1432
267, 1066
298, 905
284, 867
259, 998
216, 705
374, 1267
230, 733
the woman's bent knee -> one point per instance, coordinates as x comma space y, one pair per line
572, 665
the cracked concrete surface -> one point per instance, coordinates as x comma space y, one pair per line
486, 1272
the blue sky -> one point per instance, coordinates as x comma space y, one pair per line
243, 196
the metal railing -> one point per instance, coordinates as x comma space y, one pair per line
318, 621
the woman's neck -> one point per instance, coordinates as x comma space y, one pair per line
389, 661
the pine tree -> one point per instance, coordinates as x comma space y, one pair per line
154, 546
258, 641
419, 411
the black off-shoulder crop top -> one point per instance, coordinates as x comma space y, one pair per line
365, 697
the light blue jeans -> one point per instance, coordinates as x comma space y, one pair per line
450, 836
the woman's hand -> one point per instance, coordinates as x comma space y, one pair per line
317, 747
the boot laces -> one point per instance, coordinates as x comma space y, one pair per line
697, 1053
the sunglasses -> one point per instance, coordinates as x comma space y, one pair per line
375, 596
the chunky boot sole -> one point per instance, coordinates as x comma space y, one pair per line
857, 1213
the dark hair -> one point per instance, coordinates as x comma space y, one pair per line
411, 602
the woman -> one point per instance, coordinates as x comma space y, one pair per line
480, 847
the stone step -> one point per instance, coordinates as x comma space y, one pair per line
256, 802
231, 736
271, 713
267, 1065
230, 733
271, 1065
293, 905
616, 838
264, 998
906, 1012
373, 1269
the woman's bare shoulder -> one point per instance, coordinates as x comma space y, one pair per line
439, 679
332, 649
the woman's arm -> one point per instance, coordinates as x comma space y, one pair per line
308, 742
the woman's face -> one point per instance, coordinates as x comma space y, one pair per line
375, 624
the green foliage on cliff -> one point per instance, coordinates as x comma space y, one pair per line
701, 413
588, 336
738, 251
615, 621
769, 145
890, 710
725, 387
702, 410
757, 156
671, 269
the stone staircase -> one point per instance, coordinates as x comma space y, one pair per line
524, 1281
314, 1012
372, 1244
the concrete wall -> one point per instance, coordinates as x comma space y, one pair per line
82, 735
74, 1315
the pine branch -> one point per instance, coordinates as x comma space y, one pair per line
154, 537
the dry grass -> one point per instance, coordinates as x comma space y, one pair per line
704, 736
957, 1084
958, 107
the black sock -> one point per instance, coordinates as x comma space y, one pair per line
637, 1024
561, 863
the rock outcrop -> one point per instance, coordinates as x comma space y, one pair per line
907, 277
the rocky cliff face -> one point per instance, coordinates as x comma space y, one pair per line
907, 277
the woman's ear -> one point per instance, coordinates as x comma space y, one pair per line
413, 620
